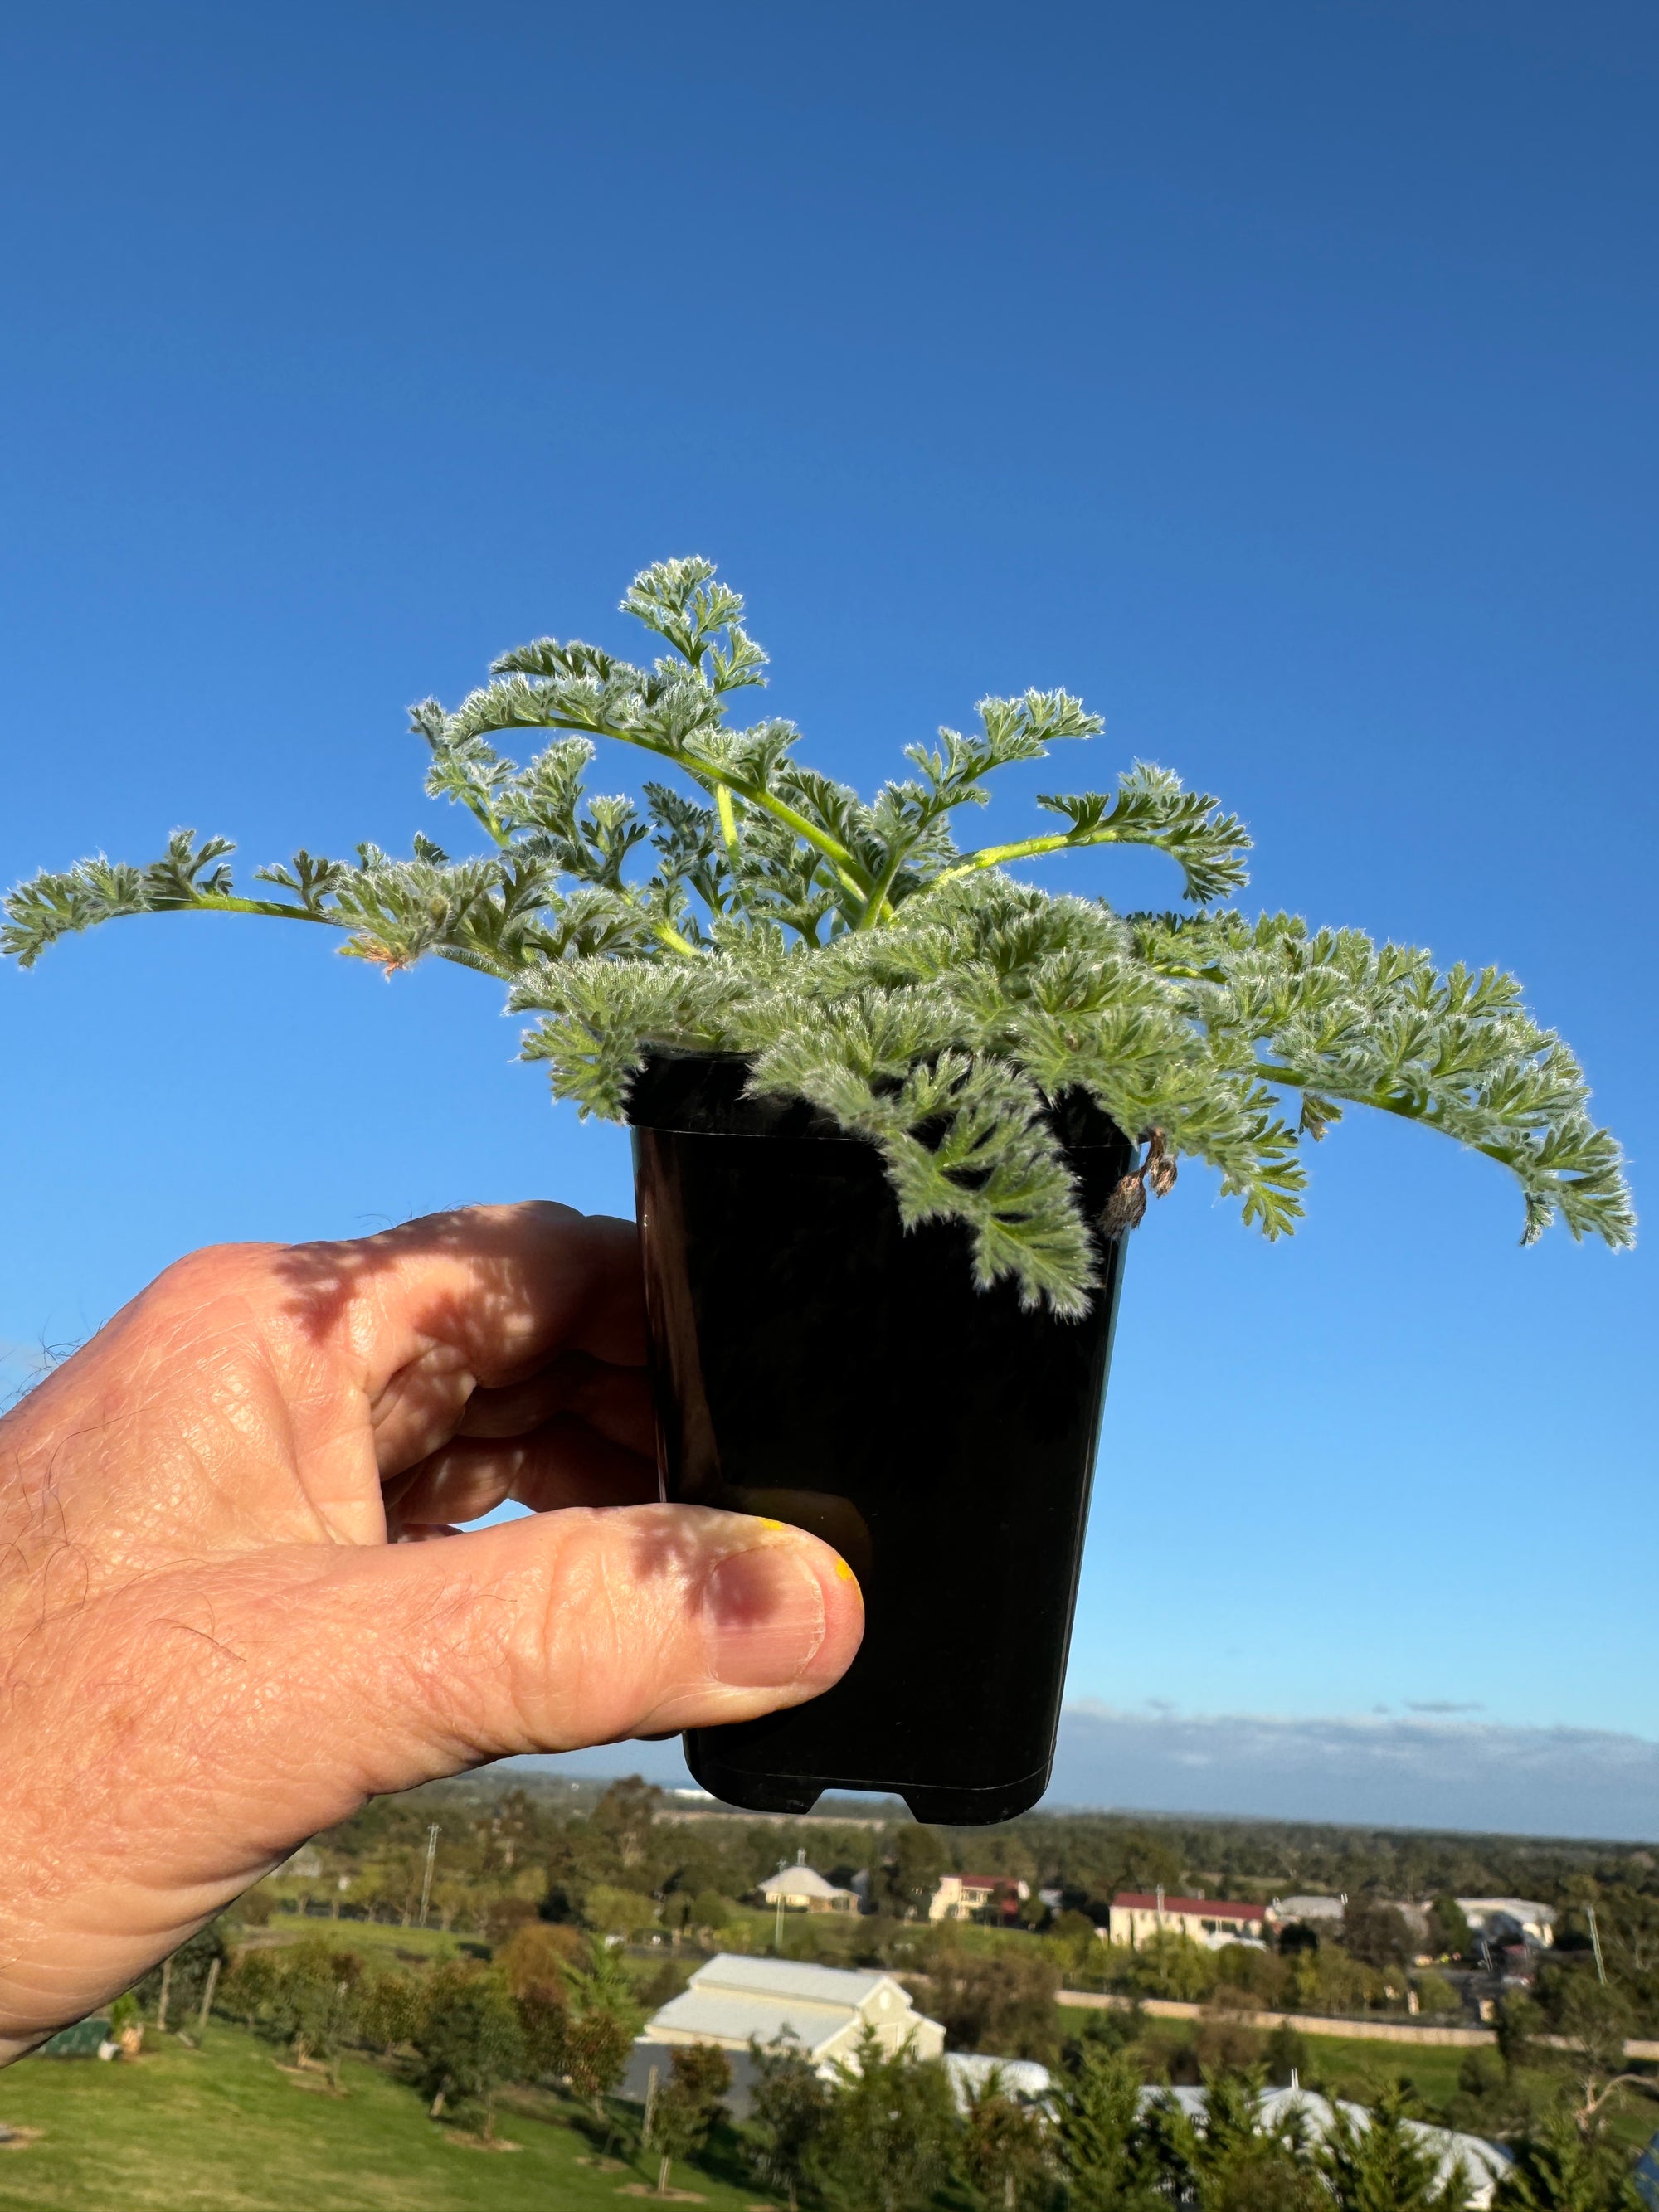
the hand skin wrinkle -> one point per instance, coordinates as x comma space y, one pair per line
207, 1651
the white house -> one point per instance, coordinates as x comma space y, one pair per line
1510, 1919
1136, 1917
800, 1890
733, 2001
973, 1896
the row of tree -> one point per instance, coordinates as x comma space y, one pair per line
608, 1861
469, 2028
888, 2137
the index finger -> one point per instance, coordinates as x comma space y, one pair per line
500, 1290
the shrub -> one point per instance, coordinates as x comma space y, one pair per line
710, 1910
388, 2011
537, 1954
1375, 1933
688, 2105
889, 2139
788, 2107
1005, 2150
614, 1911
1287, 2052
596, 2047
469, 2038
1435, 1994
1448, 1931
1003, 2003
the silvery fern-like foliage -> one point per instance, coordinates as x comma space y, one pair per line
863, 959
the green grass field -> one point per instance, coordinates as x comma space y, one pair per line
225, 2129
1358, 2068
376, 1938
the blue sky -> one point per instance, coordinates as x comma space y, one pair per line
1281, 379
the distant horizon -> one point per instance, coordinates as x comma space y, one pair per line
1441, 1777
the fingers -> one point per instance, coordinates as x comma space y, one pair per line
565, 1462
190, 1726
614, 1401
505, 1286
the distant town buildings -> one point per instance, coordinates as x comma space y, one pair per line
978, 1897
1136, 1917
1310, 1911
799, 1889
1506, 1920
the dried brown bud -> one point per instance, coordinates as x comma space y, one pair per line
1160, 1164
1126, 1207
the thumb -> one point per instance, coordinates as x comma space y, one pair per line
200, 1722
574, 1628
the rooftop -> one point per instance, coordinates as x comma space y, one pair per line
1211, 1908
800, 1881
788, 1978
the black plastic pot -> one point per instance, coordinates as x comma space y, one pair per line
814, 1362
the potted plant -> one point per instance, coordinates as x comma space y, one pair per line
893, 1112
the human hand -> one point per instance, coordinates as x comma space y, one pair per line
212, 1643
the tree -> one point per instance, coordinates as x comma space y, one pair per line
1436, 1994
470, 2041
186, 1972
1002, 2001
599, 2031
595, 2048
313, 2004
503, 1916
1557, 2170
1170, 1965
1595, 2019
927, 1000
1237, 2165
613, 1912
598, 2038
626, 1814
788, 2105
1382, 2167
1375, 1933
710, 1910
544, 2024
1004, 2149
388, 2011
1518, 2024
1286, 2053
911, 1869
1095, 2136
688, 2105
538, 1954
248, 1992
1078, 1933
1448, 1931
889, 2139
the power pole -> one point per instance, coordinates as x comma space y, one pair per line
1595, 1943
431, 1854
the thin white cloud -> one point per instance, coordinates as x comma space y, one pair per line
1400, 1773
1396, 1772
